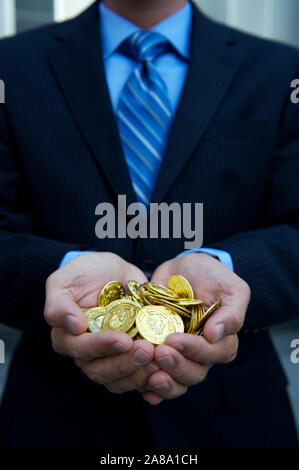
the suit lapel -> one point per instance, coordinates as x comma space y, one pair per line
77, 62
211, 70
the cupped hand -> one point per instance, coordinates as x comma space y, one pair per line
110, 358
185, 359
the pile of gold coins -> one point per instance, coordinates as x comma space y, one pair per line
151, 311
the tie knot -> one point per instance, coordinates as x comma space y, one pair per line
145, 45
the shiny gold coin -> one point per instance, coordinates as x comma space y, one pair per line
133, 332
155, 323
213, 308
181, 286
120, 315
178, 323
207, 315
95, 317
134, 288
193, 325
112, 291
159, 289
155, 300
94, 311
188, 302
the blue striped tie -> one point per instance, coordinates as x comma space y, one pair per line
144, 112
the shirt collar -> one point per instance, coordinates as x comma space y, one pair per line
176, 28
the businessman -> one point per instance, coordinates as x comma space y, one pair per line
153, 100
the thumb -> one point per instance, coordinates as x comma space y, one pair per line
163, 273
62, 312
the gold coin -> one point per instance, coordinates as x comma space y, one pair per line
155, 300
193, 325
95, 317
178, 323
133, 332
94, 311
155, 323
207, 315
120, 315
134, 288
159, 289
112, 291
188, 302
181, 286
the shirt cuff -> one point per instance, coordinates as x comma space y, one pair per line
223, 256
70, 255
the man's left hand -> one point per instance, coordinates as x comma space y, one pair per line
184, 359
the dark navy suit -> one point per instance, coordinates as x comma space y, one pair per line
234, 145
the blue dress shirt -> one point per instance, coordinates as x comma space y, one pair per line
172, 66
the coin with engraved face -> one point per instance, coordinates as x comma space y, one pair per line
95, 317
120, 315
155, 323
112, 291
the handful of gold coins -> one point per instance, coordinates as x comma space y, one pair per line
151, 311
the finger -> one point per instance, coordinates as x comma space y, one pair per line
135, 381
89, 346
152, 398
163, 385
112, 368
184, 371
62, 312
198, 349
229, 319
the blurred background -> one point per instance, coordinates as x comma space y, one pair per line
274, 19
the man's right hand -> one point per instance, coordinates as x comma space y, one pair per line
111, 358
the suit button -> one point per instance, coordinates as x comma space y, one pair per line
148, 267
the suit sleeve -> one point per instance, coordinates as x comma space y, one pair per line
268, 258
26, 260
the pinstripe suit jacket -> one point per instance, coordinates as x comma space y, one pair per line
234, 145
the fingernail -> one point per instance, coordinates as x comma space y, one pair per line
218, 332
71, 323
119, 348
150, 368
139, 358
166, 362
162, 387
179, 347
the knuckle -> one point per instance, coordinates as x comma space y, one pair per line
236, 321
233, 349
138, 381
75, 352
244, 287
95, 376
48, 313
180, 374
202, 375
122, 368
